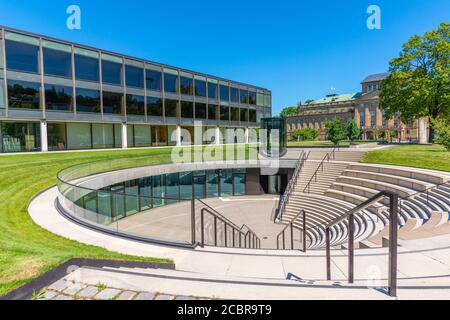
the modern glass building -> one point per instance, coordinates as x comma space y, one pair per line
57, 95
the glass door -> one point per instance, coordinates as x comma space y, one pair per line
199, 183
238, 184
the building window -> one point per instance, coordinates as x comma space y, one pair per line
234, 95
135, 105
86, 68
57, 139
23, 95
142, 136
187, 109
88, 100
170, 83
244, 115
57, 63
102, 136
112, 72
252, 98
244, 98
153, 80
224, 93
224, 113
372, 119
234, 114
200, 88
170, 108
154, 107
362, 120
58, 98
186, 86
79, 136
212, 112
200, 111
22, 56
20, 137
134, 77
212, 90
112, 102
252, 115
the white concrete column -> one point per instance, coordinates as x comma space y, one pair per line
44, 136
246, 135
124, 136
217, 135
178, 136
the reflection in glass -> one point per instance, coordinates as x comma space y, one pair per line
186, 86
23, 95
170, 83
135, 105
153, 80
86, 68
154, 107
200, 88
57, 63
170, 108
112, 102
88, 100
58, 98
111, 72
21, 56
134, 77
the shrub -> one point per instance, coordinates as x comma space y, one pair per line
305, 134
442, 131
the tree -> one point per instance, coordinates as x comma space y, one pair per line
309, 101
289, 111
353, 131
419, 81
305, 134
442, 128
335, 131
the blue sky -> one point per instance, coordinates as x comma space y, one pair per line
297, 49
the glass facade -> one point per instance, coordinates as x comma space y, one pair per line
58, 98
135, 105
88, 100
134, 77
154, 107
112, 72
200, 88
130, 197
186, 86
170, 108
57, 63
200, 111
23, 94
19, 137
112, 102
187, 109
244, 97
99, 77
153, 80
86, 68
22, 56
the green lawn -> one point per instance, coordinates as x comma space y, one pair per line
420, 156
322, 143
26, 250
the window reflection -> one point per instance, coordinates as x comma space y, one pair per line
21, 56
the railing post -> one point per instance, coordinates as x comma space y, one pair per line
284, 244
234, 231
292, 236
351, 248
225, 231
193, 220
393, 233
215, 231
304, 231
202, 226
240, 240
328, 252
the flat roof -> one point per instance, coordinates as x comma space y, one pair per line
131, 57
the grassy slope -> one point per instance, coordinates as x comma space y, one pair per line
420, 156
322, 143
26, 250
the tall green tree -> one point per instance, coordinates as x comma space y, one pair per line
335, 131
289, 111
442, 127
353, 130
419, 81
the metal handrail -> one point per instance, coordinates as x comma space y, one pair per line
291, 186
393, 237
291, 225
217, 215
314, 176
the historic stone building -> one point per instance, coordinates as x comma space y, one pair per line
364, 108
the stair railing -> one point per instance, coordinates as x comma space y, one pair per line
291, 185
426, 192
292, 226
327, 158
241, 237
393, 237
